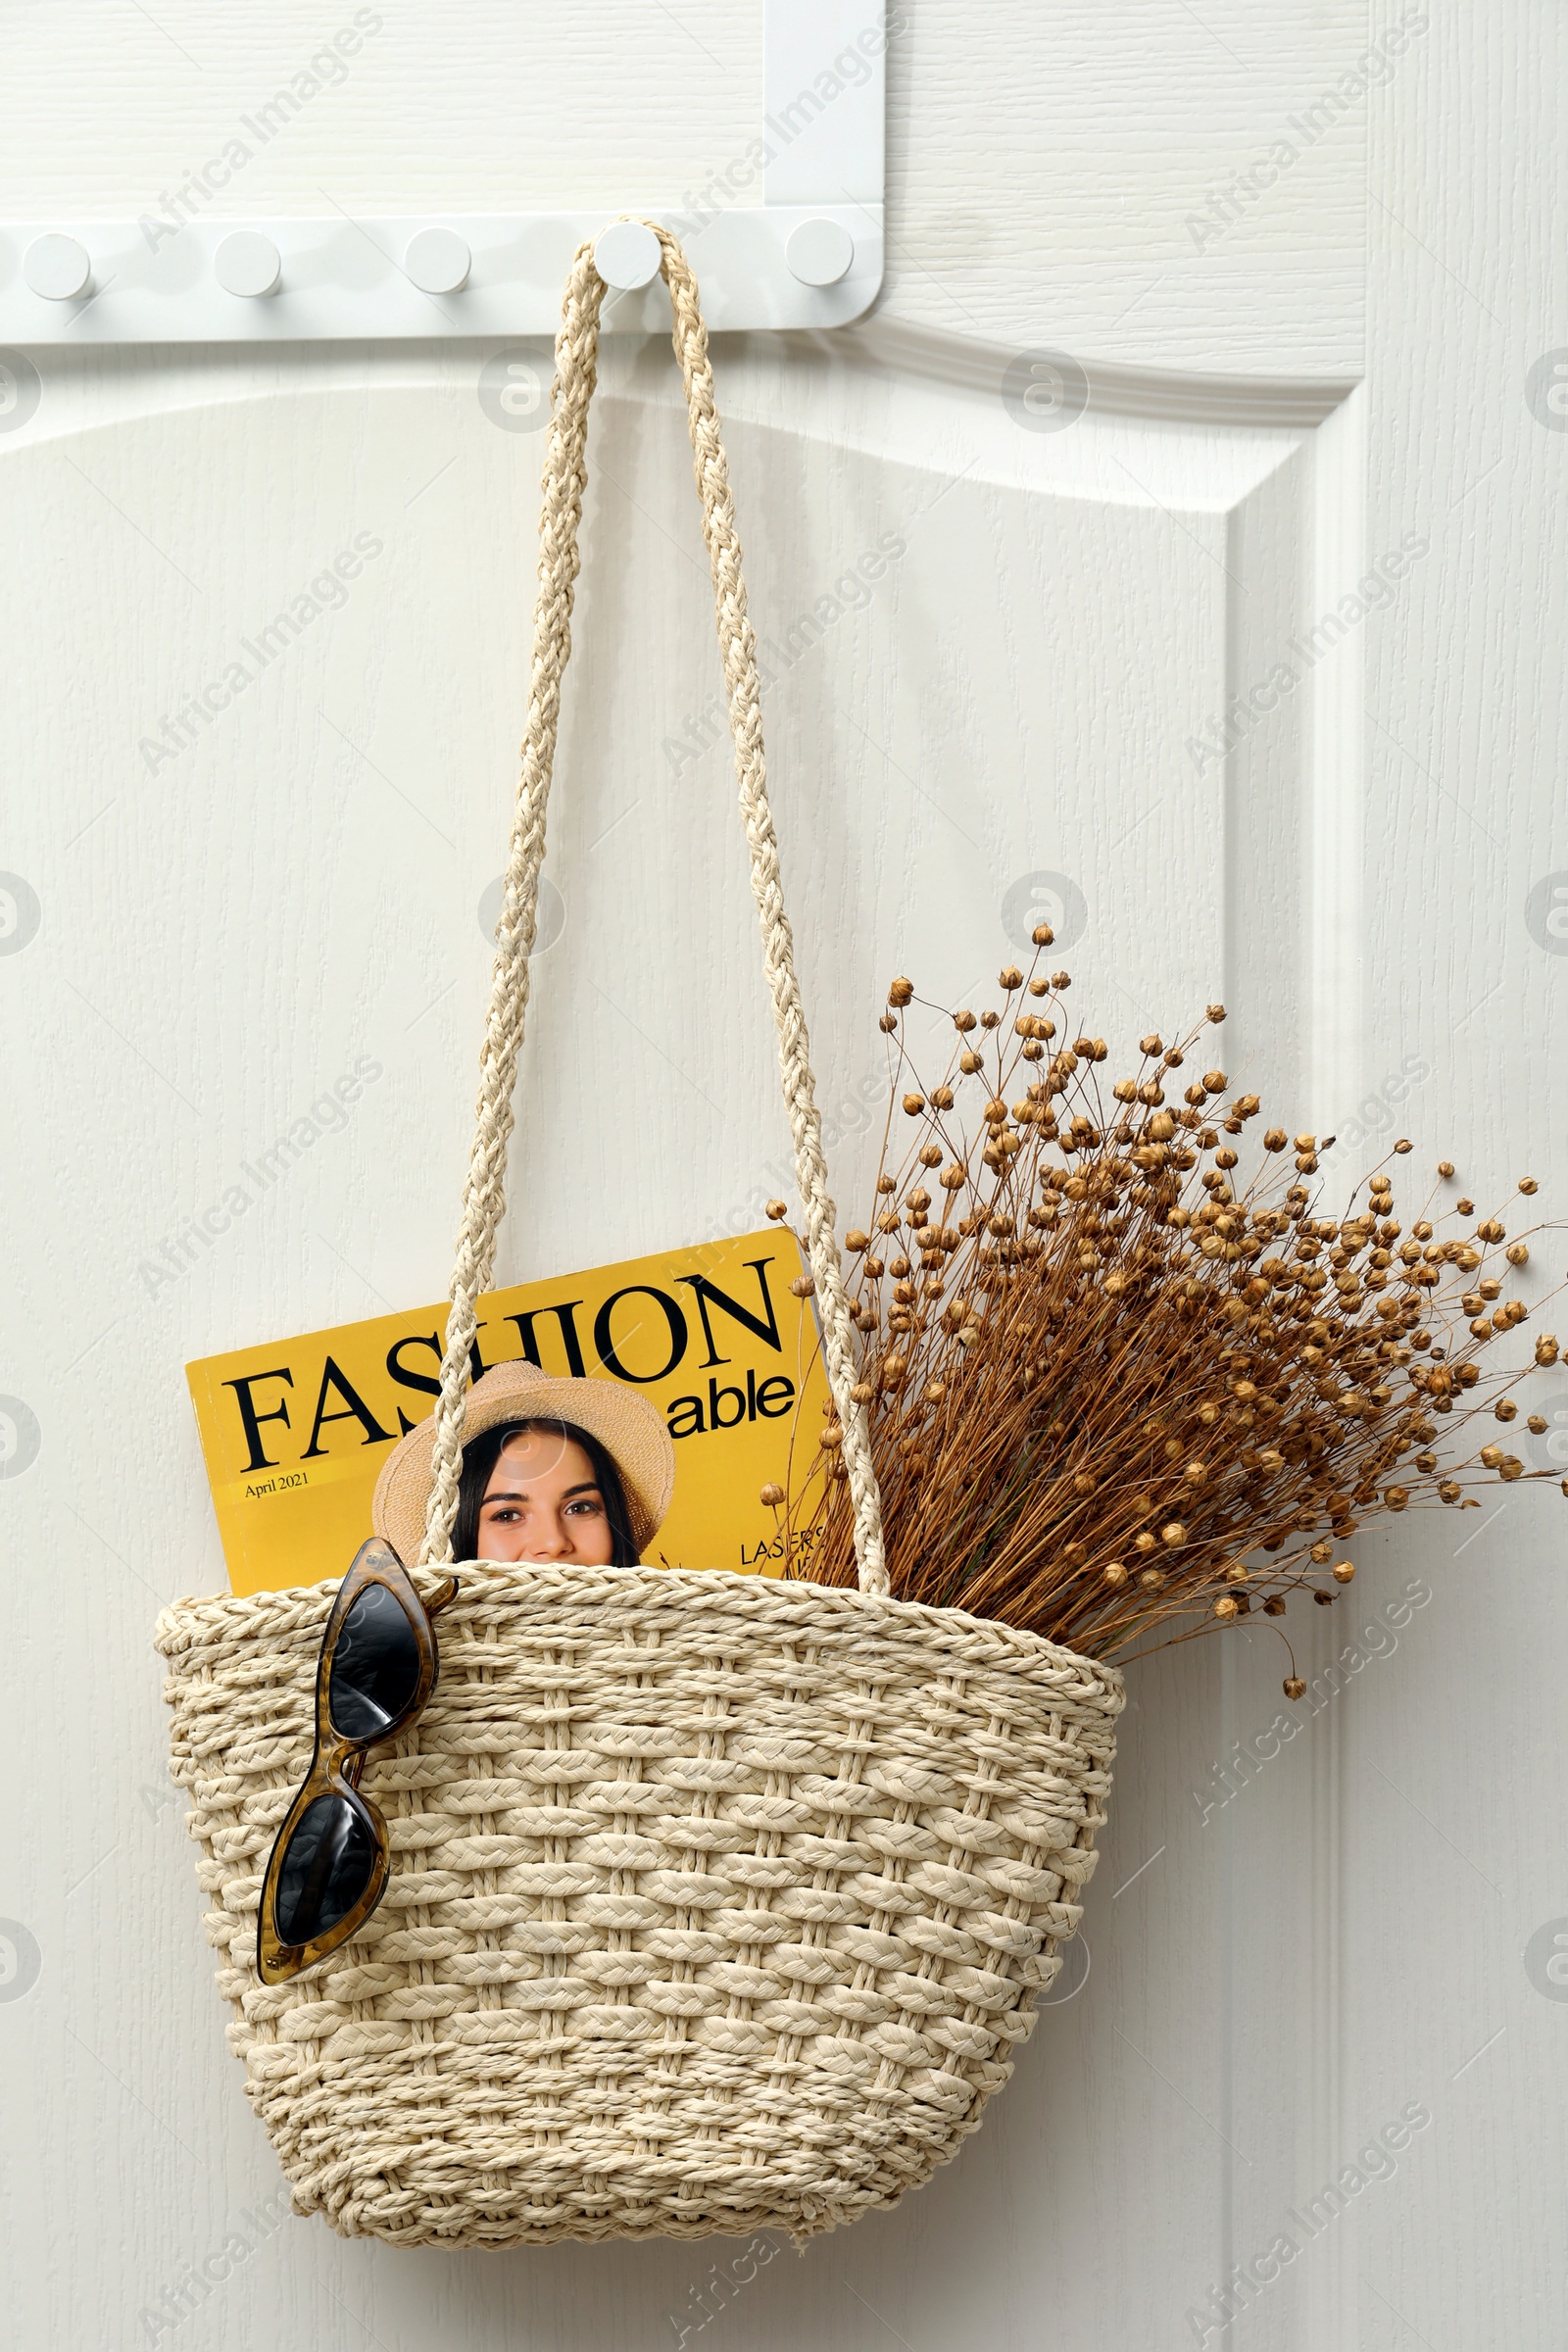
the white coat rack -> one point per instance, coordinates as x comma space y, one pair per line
809, 255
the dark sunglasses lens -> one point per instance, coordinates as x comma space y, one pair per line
326, 1868
375, 1667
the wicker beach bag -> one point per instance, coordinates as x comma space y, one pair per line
717, 1903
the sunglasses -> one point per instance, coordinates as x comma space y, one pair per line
331, 1860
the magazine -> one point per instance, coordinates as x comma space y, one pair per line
296, 1432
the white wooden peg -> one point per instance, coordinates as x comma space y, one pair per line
438, 261
819, 252
248, 264
57, 266
628, 255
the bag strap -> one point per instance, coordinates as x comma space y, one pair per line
485, 1198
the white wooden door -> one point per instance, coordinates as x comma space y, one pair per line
1182, 547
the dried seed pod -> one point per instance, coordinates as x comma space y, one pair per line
901, 992
1043, 935
803, 1285
1009, 977
1313, 1375
1293, 1686
1114, 1575
855, 1239
1344, 1572
1227, 1607
778, 1210
772, 1495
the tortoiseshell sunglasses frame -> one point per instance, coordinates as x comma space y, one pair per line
337, 1762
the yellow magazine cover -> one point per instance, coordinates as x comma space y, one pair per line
295, 1432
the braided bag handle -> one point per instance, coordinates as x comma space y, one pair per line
565, 474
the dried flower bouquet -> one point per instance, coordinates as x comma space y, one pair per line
1117, 1388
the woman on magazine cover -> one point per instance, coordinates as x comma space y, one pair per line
572, 1473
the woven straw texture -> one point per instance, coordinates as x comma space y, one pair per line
564, 475
716, 1904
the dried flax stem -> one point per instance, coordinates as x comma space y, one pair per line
1116, 1388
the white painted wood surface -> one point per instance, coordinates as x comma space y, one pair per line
1273, 1977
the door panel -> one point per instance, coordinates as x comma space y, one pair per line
1095, 656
